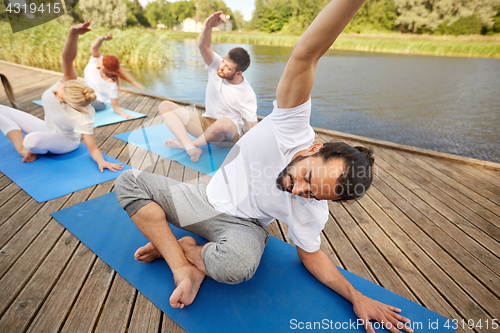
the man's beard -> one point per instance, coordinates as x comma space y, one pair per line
223, 76
286, 172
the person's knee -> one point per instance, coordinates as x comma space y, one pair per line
230, 265
32, 142
125, 183
167, 106
225, 125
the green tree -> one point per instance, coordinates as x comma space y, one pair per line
239, 21
109, 13
428, 15
135, 13
180, 10
159, 12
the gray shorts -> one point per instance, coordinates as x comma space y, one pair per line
238, 243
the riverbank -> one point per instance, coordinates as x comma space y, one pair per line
41, 46
456, 46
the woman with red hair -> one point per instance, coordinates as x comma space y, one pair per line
103, 74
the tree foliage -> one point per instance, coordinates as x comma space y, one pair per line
418, 16
135, 13
428, 15
109, 13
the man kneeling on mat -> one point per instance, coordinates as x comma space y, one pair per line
273, 172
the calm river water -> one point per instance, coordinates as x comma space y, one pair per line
445, 104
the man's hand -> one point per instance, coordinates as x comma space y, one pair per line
213, 20
369, 309
80, 29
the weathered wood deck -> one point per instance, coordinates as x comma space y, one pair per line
428, 229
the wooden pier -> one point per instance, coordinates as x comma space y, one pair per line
428, 229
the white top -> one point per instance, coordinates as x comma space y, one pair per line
63, 119
104, 90
223, 99
251, 169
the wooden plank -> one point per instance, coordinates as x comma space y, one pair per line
12, 205
436, 259
421, 250
29, 262
20, 314
431, 223
465, 206
8, 191
469, 179
53, 312
117, 308
478, 198
4, 182
86, 309
349, 258
417, 281
461, 217
23, 238
170, 326
462, 245
146, 316
10, 227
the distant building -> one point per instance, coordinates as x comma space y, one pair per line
194, 24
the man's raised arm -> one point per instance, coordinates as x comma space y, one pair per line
205, 38
297, 80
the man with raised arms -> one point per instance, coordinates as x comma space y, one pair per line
273, 172
228, 99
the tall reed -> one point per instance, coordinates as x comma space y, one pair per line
42, 46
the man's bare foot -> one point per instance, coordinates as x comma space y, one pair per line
28, 156
188, 280
174, 144
195, 154
193, 251
147, 253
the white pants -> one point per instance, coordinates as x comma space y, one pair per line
37, 139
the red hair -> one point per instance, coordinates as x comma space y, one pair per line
112, 66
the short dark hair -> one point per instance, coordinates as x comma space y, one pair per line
358, 163
240, 57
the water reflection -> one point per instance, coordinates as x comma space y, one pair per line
444, 104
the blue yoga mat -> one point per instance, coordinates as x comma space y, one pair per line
153, 139
282, 295
52, 176
108, 115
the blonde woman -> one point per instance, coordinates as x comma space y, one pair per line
68, 115
103, 74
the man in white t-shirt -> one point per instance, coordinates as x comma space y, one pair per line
229, 99
273, 172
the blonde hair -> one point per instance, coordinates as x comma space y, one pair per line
78, 94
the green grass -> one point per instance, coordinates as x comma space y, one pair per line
463, 46
42, 46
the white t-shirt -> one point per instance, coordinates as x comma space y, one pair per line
104, 90
251, 169
223, 99
63, 119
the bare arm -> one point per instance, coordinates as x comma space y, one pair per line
320, 265
96, 45
96, 155
205, 38
70, 50
118, 109
297, 80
